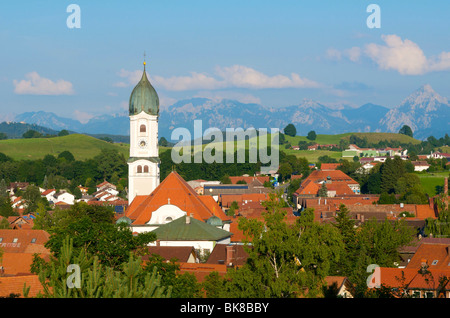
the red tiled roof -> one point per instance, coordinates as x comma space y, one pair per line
329, 166
411, 278
181, 253
201, 270
340, 187
429, 252
48, 192
424, 211
249, 179
175, 188
19, 263
17, 241
14, 285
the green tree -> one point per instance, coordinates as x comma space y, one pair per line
97, 280
93, 228
323, 191
284, 260
439, 227
225, 179
66, 155
311, 135
32, 196
32, 134
406, 130
290, 130
63, 132
110, 161
183, 285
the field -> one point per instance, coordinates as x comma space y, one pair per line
371, 137
430, 181
81, 146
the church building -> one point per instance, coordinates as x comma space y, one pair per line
143, 163
152, 204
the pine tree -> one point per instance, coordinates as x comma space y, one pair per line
323, 191
91, 279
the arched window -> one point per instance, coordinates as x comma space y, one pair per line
142, 129
145, 169
139, 169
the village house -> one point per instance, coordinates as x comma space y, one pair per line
439, 155
182, 254
427, 274
188, 231
336, 181
420, 165
353, 150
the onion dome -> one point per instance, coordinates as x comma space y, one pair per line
144, 98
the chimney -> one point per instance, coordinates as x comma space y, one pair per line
188, 219
231, 251
423, 265
158, 242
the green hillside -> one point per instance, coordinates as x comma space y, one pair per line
81, 146
372, 137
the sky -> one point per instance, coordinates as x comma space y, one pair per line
84, 61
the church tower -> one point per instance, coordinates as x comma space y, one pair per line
143, 163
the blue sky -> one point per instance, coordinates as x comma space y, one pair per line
275, 53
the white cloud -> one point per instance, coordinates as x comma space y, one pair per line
192, 82
236, 76
246, 77
34, 84
353, 54
403, 56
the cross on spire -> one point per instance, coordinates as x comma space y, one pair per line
144, 60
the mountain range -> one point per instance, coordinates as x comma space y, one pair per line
425, 111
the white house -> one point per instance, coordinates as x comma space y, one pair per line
65, 197
420, 165
49, 195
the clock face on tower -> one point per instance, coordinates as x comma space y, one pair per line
142, 143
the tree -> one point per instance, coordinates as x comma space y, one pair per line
284, 260
63, 132
32, 134
96, 280
32, 196
67, 155
93, 228
225, 179
439, 227
311, 135
323, 191
290, 130
183, 285
406, 130
110, 161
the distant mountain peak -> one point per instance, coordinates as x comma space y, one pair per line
424, 97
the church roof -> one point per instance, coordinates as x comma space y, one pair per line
144, 98
190, 229
176, 191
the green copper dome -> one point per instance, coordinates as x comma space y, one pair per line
144, 98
